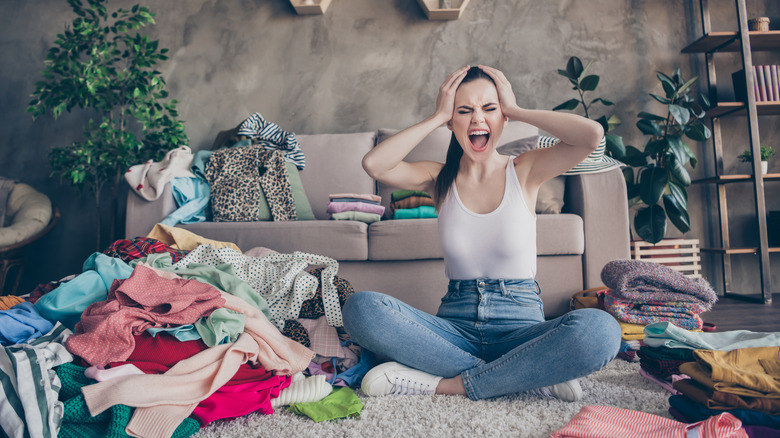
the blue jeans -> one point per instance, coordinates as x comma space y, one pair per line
490, 332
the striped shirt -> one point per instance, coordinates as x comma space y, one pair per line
271, 137
609, 422
28, 403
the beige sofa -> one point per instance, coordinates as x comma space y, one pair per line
403, 257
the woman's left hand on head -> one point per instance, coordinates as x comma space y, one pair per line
506, 95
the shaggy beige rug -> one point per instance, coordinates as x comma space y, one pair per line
618, 384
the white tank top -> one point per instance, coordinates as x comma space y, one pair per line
498, 245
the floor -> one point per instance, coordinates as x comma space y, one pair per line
736, 314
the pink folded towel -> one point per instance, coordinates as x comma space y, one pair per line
338, 207
366, 196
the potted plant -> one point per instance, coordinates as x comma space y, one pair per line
103, 65
766, 153
658, 177
582, 83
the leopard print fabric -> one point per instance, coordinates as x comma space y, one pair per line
297, 332
313, 307
237, 176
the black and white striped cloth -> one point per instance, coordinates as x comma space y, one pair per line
272, 137
30, 387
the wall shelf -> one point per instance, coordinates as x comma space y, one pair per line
310, 7
434, 12
743, 42
727, 108
729, 42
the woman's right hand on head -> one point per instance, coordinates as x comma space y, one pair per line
445, 102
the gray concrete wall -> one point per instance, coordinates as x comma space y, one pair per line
364, 65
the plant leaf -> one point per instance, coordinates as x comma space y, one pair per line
650, 223
663, 100
589, 83
568, 105
634, 157
649, 127
681, 115
615, 145
574, 67
650, 116
677, 213
698, 132
652, 182
679, 173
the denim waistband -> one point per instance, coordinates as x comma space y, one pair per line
493, 283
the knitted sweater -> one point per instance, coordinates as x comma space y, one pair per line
641, 281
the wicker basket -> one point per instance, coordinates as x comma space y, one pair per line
760, 24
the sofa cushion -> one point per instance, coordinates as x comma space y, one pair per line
434, 148
334, 165
417, 239
404, 239
341, 240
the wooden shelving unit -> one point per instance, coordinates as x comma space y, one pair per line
743, 42
311, 7
434, 11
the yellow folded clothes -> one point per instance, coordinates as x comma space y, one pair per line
631, 332
179, 238
9, 301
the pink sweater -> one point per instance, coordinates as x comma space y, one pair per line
105, 332
165, 400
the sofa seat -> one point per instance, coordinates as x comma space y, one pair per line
341, 240
418, 239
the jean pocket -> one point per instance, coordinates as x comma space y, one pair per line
525, 298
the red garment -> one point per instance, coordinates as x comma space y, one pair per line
231, 401
157, 354
608, 422
105, 332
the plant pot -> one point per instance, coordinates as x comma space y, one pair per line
764, 167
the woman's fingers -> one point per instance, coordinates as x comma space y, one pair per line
455, 77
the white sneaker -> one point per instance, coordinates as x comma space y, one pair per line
570, 391
394, 378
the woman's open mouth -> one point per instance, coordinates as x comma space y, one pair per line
479, 140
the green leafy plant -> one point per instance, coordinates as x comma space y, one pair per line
766, 153
582, 82
102, 64
661, 175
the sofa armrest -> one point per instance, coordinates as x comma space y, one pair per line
142, 215
601, 200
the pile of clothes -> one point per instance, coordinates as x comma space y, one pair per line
412, 204
251, 175
363, 207
734, 371
161, 337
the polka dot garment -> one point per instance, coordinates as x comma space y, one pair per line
279, 278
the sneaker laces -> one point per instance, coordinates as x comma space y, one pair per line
410, 387
542, 392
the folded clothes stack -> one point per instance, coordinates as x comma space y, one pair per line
644, 293
412, 204
363, 207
